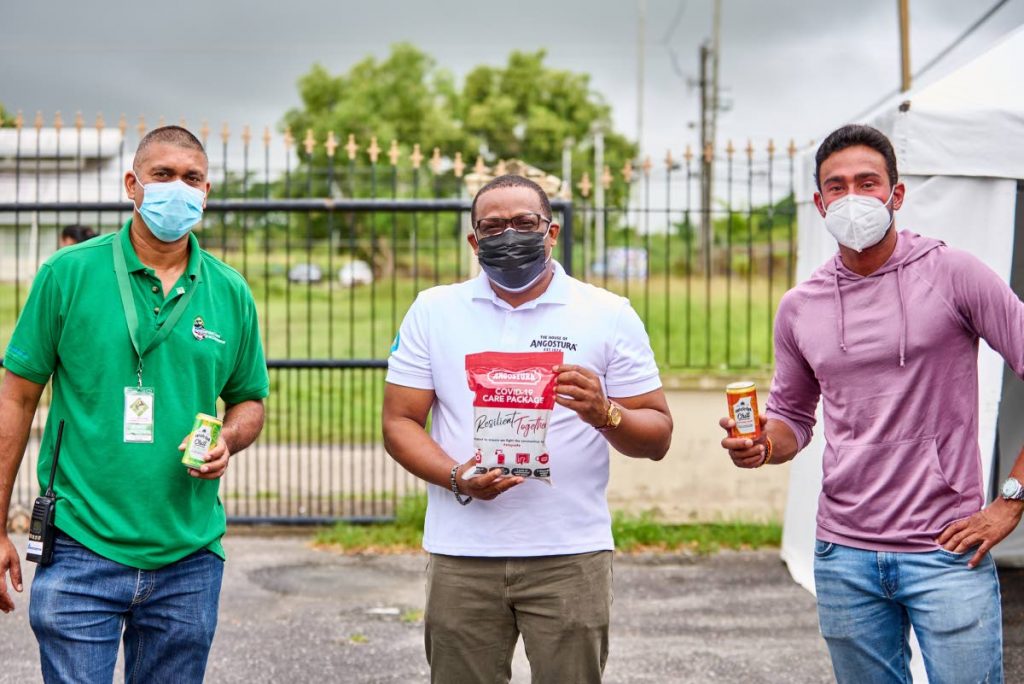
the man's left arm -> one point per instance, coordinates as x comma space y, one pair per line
243, 395
242, 425
632, 380
646, 427
996, 314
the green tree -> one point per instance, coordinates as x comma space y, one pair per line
6, 118
525, 110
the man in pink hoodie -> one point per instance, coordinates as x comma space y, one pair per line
886, 334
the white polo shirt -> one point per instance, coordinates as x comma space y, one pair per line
593, 328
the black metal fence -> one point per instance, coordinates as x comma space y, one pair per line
336, 246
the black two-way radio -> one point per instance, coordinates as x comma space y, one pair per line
42, 531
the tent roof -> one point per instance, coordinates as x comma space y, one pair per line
969, 123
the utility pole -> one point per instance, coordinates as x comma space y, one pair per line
641, 21
904, 8
709, 106
705, 159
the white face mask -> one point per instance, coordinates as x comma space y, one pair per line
858, 221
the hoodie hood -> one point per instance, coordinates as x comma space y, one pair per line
909, 248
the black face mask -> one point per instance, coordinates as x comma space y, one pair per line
513, 260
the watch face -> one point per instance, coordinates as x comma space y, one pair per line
1011, 488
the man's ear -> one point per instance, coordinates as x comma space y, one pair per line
898, 193
471, 239
819, 204
553, 230
131, 185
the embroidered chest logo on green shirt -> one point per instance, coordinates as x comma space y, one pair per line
201, 332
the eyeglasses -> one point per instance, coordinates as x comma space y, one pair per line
521, 223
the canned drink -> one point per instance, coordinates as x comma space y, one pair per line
205, 432
742, 398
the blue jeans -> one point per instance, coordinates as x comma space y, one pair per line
82, 603
868, 600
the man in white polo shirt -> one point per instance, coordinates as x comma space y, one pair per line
509, 555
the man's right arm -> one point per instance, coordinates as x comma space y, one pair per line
18, 400
788, 419
404, 418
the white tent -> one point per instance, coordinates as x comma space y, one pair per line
960, 150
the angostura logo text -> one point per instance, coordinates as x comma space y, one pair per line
525, 377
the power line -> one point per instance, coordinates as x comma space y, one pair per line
937, 58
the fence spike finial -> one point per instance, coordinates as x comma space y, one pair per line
627, 171
204, 132
331, 144
373, 150
38, 122
225, 133
19, 120
183, 123
771, 147
585, 185
500, 168
458, 166
416, 157
58, 122
435, 161
479, 168
140, 127
730, 149
100, 123
792, 148
161, 122
647, 166
122, 124
266, 136
289, 139
393, 153
709, 153
749, 150
351, 148
309, 142
688, 154
606, 177
246, 135
669, 161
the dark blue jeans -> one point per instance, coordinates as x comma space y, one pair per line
82, 604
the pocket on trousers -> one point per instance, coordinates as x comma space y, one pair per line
823, 549
859, 484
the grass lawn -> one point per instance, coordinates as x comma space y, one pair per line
631, 533
694, 323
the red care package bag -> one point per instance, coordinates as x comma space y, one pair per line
514, 394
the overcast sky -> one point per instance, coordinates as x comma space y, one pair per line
794, 68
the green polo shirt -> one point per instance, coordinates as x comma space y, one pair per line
135, 503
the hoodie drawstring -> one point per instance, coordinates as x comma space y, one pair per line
841, 323
903, 316
841, 318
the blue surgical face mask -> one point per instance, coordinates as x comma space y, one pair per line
170, 209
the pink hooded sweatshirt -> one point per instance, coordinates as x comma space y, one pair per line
894, 357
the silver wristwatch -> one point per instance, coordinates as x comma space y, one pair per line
1013, 490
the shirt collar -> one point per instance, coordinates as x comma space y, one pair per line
133, 263
557, 291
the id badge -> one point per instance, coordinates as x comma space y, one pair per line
138, 414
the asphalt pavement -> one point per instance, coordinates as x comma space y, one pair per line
292, 612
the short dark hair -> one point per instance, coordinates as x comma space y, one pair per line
78, 233
851, 135
172, 135
513, 181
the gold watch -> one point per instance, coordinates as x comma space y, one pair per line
612, 418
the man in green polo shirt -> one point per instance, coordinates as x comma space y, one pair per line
139, 331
